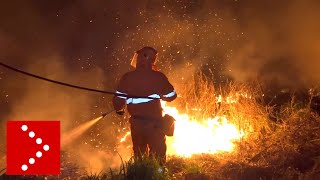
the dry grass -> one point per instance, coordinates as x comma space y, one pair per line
239, 103
287, 148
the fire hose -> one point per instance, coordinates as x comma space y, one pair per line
76, 87
103, 115
71, 85
106, 113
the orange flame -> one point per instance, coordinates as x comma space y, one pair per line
207, 136
194, 137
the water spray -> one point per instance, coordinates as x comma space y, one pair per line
73, 134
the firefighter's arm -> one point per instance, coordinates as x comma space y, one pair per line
119, 105
119, 102
168, 92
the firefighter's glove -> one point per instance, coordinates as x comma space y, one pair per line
121, 112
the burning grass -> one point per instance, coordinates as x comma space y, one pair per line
210, 120
287, 148
253, 146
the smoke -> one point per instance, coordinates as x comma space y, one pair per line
280, 47
41, 100
273, 42
97, 160
91, 44
38, 100
31, 45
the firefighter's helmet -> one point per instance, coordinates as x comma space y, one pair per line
146, 55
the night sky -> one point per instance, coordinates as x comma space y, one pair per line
96, 39
90, 43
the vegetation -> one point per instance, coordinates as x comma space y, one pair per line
280, 142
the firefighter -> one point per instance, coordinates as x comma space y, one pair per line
145, 113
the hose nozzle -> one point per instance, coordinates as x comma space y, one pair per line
106, 113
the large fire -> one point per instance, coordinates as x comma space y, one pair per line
193, 136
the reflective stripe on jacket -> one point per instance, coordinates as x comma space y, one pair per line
144, 83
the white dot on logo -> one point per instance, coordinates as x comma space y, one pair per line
24, 167
24, 127
32, 160
39, 140
31, 134
46, 147
39, 154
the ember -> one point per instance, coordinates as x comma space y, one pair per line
125, 137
